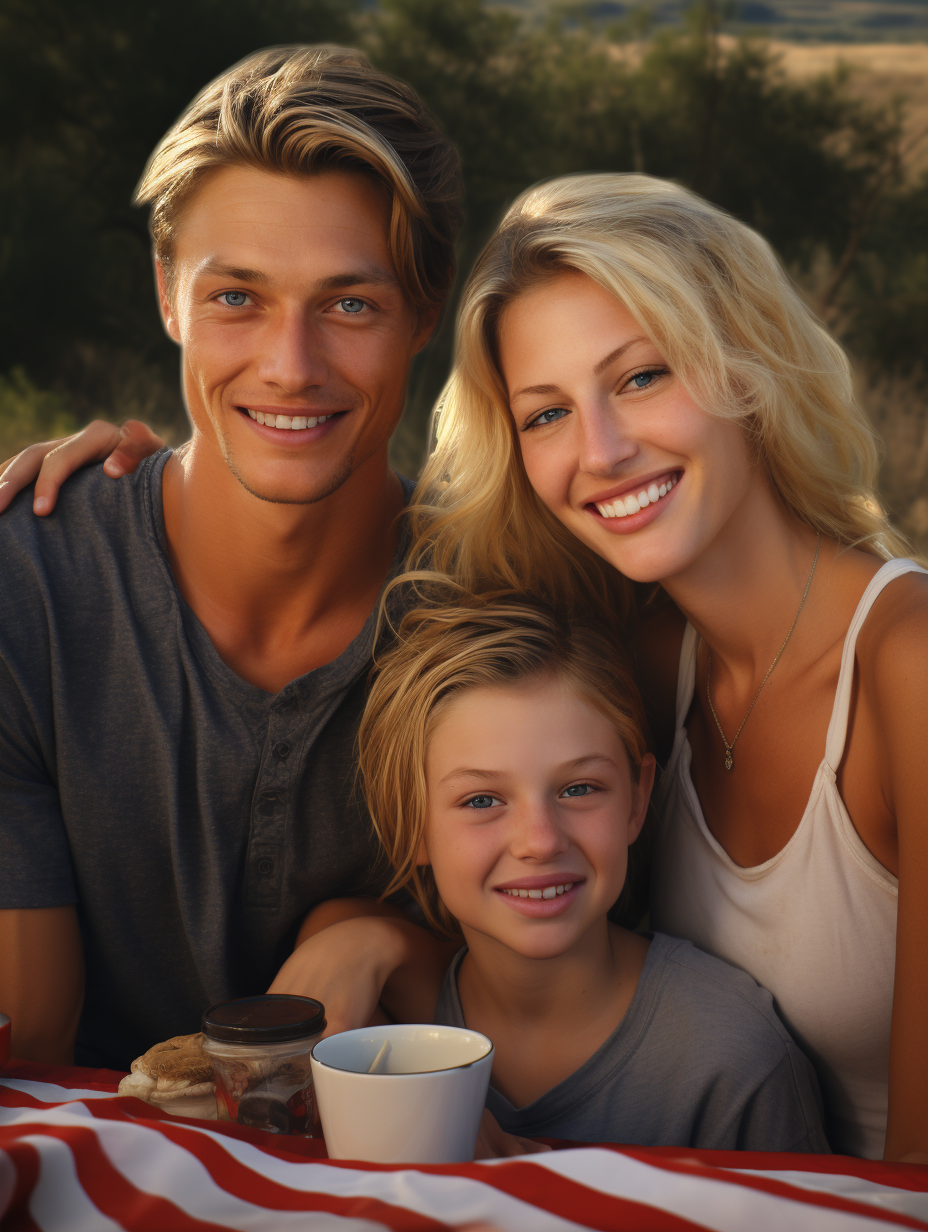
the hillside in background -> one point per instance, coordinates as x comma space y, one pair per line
819, 145
795, 20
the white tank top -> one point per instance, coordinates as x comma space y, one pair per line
816, 924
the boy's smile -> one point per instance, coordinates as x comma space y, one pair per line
532, 808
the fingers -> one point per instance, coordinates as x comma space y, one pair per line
91, 444
19, 472
137, 442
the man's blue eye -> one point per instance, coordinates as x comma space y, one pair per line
578, 789
233, 299
352, 306
481, 802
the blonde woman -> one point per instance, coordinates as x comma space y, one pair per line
641, 397
635, 369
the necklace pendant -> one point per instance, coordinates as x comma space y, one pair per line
728, 759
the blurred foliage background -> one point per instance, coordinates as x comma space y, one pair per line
832, 176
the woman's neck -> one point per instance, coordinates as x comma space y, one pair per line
742, 593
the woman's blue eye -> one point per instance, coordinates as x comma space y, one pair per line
547, 417
233, 299
482, 802
643, 379
578, 789
352, 306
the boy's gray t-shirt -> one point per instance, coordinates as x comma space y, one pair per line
700, 1060
192, 817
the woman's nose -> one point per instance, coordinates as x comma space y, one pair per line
605, 439
292, 357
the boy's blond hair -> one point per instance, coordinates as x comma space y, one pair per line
302, 110
440, 651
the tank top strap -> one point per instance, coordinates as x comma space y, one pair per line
837, 728
686, 673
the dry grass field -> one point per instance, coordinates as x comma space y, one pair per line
880, 73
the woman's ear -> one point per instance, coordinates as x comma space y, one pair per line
641, 796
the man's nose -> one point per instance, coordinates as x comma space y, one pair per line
606, 440
292, 354
537, 833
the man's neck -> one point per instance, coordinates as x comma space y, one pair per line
280, 588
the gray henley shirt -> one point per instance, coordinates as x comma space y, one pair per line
192, 817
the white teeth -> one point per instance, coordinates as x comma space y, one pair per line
259, 415
253, 414
283, 421
311, 423
622, 507
547, 892
299, 422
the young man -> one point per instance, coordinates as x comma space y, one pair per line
183, 654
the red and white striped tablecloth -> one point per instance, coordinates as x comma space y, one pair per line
74, 1156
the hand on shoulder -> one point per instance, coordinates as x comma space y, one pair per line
49, 463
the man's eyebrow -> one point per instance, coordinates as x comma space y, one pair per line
599, 368
236, 273
371, 275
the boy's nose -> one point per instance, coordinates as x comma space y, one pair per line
537, 834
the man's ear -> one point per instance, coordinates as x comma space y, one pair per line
427, 318
422, 855
642, 796
168, 316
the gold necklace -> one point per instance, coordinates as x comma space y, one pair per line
729, 761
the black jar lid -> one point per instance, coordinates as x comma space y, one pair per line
271, 1019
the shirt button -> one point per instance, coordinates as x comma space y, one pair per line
265, 867
282, 749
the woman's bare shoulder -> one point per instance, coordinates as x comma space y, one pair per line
659, 638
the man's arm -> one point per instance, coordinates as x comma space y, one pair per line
42, 981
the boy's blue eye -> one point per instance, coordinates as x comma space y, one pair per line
482, 802
351, 306
578, 789
233, 299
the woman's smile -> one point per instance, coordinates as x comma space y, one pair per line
611, 439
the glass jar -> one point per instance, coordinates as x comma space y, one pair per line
260, 1051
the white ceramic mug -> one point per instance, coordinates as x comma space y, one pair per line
402, 1093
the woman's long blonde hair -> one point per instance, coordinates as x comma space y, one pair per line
712, 296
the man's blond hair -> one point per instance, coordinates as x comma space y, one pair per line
302, 110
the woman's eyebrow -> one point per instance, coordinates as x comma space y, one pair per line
597, 370
614, 355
